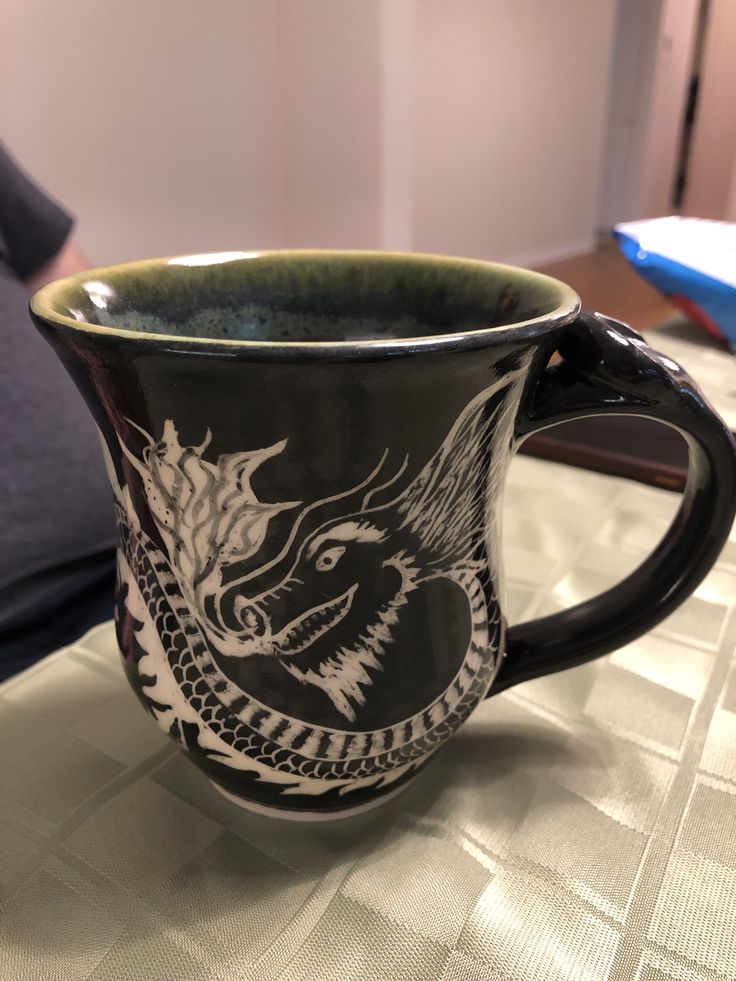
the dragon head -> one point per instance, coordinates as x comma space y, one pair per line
346, 571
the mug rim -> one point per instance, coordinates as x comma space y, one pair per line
48, 304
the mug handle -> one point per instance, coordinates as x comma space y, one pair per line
607, 368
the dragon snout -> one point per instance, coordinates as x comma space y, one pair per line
261, 616
284, 621
253, 620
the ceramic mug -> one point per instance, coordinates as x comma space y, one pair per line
308, 452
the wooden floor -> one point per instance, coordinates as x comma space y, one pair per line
607, 283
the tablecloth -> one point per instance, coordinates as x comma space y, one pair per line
707, 360
578, 826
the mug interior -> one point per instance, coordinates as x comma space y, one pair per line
304, 297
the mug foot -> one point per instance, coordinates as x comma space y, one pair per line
288, 815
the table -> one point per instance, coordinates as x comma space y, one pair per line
580, 826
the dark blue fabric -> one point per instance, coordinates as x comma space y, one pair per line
56, 526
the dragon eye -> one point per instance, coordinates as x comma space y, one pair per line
329, 558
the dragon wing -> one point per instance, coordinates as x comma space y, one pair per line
447, 506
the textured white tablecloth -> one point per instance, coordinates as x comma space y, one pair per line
582, 826
707, 360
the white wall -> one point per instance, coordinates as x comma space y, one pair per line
709, 192
510, 99
329, 67
175, 125
462, 126
731, 206
667, 102
628, 112
652, 64
152, 121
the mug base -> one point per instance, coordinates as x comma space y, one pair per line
284, 814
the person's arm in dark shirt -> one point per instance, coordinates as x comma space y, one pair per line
35, 232
69, 260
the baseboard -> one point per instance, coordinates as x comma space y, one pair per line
554, 252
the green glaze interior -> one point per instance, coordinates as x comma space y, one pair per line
303, 297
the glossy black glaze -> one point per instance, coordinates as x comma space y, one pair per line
608, 368
308, 576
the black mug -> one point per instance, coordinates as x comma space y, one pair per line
308, 452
